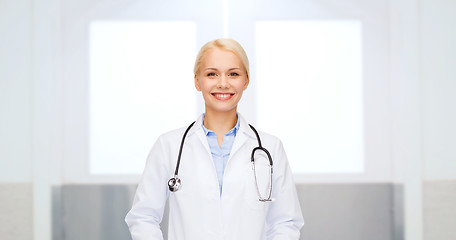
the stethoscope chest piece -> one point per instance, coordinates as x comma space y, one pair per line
174, 184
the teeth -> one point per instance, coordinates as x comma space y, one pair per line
223, 95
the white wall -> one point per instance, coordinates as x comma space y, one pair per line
31, 106
16, 188
423, 82
438, 77
48, 105
438, 105
77, 15
15, 91
405, 111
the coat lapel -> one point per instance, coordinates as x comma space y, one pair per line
244, 134
198, 130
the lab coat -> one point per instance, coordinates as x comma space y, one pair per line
198, 210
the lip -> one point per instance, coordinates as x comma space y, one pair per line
222, 96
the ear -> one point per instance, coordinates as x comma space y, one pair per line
247, 81
197, 86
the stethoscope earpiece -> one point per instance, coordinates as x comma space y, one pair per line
174, 184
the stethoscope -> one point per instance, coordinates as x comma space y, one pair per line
175, 183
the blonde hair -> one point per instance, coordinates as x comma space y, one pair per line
224, 44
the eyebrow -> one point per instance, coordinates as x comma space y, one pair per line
218, 70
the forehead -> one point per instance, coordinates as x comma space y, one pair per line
216, 57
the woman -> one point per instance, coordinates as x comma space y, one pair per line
220, 190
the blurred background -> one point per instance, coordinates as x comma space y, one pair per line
360, 92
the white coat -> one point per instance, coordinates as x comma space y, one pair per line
198, 211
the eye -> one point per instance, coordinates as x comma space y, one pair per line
211, 74
234, 74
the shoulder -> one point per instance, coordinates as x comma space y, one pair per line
271, 141
268, 137
167, 144
250, 129
179, 132
172, 133
172, 136
268, 140
274, 146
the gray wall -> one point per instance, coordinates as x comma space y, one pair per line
16, 217
91, 211
439, 210
348, 211
331, 211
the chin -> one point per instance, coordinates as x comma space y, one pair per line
222, 109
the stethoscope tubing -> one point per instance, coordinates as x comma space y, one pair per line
176, 172
175, 183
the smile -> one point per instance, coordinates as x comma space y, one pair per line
222, 96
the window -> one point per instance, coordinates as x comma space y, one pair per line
310, 92
135, 67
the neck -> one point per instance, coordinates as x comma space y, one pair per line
220, 122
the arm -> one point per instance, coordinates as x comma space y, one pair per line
149, 203
284, 219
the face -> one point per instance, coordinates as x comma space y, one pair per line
221, 79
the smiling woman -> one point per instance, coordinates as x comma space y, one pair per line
218, 193
222, 78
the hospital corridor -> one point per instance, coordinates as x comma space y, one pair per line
357, 99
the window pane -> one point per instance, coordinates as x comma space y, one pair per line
140, 76
310, 92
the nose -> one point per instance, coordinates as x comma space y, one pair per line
223, 82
